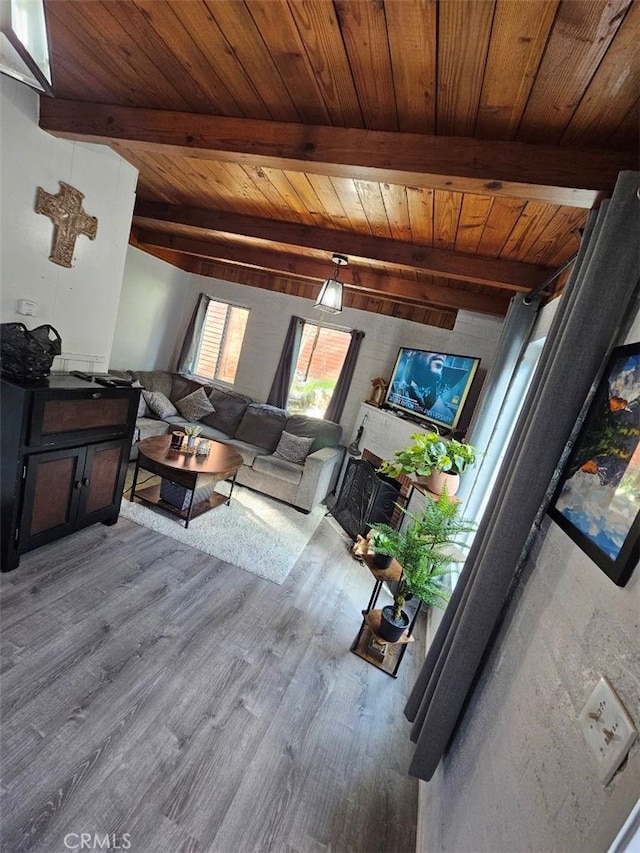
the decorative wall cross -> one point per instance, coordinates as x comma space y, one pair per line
70, 220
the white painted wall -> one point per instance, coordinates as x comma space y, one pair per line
151, 308
518, 776
474, 334
81, 302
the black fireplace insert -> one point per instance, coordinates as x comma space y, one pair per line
366, 498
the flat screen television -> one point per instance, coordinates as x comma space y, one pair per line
431, 386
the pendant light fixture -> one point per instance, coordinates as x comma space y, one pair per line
329, 301
330, 297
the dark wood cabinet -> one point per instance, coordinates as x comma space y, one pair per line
65, 448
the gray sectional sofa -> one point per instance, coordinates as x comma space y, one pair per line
255, 429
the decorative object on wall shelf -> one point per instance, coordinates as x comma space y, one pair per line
378, 391
431, 457
70, 220
596, 502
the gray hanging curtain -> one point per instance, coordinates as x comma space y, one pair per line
279, 393
188, 357
339, 396
515, 334
589, 316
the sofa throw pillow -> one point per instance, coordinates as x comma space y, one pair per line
262, 425
159, 404
325, 433
230, 407
195, 406
293, 448
158, 380
181, 386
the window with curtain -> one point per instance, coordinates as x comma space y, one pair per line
320, 359
491, 460
220, 341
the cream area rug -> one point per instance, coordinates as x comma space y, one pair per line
254, 532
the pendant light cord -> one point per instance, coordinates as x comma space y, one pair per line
313, 349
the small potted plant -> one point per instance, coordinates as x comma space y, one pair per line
192, 431
379, 543
433, 460
424, 550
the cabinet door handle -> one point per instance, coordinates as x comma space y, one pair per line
85, 481
77, 484
96, 395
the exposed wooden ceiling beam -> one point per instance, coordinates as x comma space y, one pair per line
418, 312
492, 272
557, 175
379, 285
442, 318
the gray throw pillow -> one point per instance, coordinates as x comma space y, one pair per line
195, 406
159, 404
262, 424
230, 407
325, 433
293, 448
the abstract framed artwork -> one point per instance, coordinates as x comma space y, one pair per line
597, 502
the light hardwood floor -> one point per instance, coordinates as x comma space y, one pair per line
178, 704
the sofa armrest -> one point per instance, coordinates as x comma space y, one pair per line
320, 475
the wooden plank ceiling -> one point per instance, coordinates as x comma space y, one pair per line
450, 148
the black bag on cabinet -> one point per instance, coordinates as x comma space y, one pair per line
28, 354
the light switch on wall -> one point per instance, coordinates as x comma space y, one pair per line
26, 307
607, 729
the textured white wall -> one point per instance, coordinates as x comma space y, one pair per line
81, 302
151, 308
474, 334
519, 777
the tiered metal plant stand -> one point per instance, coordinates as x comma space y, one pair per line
368, 644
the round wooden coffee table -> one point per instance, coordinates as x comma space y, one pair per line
181, 475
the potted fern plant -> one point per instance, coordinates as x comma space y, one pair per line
434, 461
424, 550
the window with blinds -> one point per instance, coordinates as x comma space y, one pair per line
320, 359
221, 341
